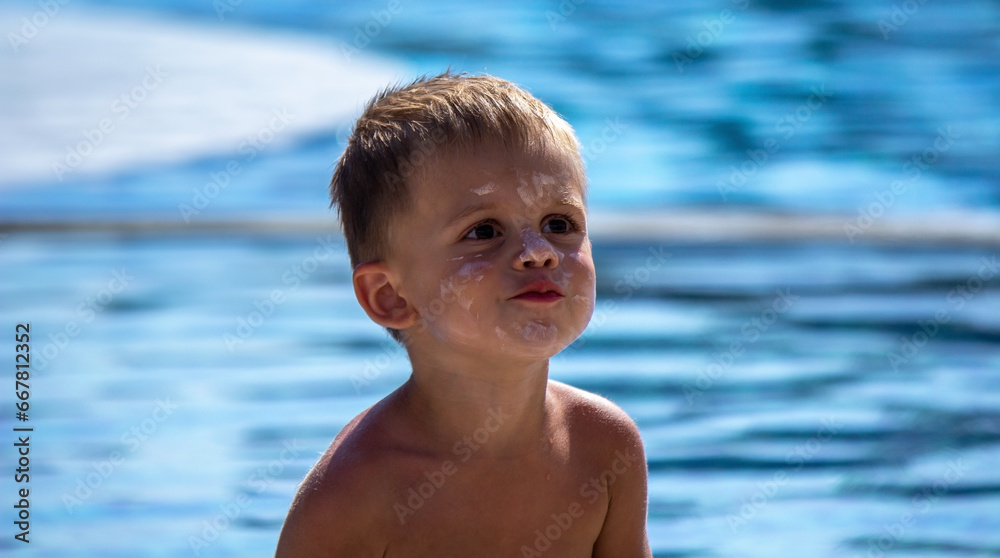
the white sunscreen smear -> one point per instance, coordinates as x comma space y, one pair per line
534, 331
471, 271
487, 188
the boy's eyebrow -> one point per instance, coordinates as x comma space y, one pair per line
572, 201
469, 211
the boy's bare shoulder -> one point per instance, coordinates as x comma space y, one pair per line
588, 410
597, 422
334, 507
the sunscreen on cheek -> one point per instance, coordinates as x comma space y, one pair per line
470, 272
473, 271
454, 316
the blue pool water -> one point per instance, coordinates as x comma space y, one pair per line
859, 414
812, 400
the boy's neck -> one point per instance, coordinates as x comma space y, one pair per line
504, 407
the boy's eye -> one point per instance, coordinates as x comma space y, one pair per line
483, 231
558, 225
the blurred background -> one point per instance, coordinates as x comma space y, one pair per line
795, 212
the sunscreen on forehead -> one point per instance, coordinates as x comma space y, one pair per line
487, 188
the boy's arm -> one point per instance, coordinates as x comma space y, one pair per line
624, 532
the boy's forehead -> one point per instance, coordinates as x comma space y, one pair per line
469, 176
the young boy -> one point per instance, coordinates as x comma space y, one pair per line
462, 203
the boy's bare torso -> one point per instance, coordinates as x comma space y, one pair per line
384, 489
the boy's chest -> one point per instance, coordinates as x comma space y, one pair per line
466, 509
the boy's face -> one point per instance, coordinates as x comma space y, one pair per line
494, 253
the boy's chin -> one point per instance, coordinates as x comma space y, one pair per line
531, 340
509, 347
522, 351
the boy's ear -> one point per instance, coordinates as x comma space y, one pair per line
373, 285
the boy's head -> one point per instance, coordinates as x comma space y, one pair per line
421, 155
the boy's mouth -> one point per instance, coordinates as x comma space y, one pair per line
540, 291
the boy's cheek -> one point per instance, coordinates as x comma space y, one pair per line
584, 251
586, 300
583, 262
450, 307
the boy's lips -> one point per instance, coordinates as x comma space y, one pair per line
540, 291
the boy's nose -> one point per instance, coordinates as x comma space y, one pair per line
536, 252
